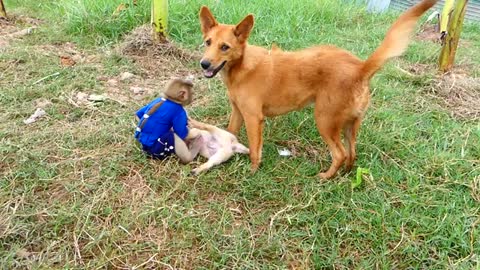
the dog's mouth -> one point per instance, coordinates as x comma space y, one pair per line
211, 72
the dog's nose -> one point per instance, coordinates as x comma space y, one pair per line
205, 64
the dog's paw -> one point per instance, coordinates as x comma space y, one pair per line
326, 175
254, 168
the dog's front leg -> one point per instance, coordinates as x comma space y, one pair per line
254, 125
236, 120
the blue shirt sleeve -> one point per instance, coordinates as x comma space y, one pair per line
180, 124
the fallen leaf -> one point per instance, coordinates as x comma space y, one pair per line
357, 181
137, 90
112, 82
119, 9
23, 253
95, 98
35, 116
23, 32
126, 76
284, 152
77, 58
67, 61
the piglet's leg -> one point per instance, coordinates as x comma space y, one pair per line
217, 158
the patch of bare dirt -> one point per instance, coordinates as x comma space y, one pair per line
15, 27
68, 54
419, 69
139, 42
460, 93
298, 148
429, 33
457, 90
135, 88
162, 60
157, 63
135, 186
432, 33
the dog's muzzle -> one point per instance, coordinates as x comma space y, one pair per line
208, 70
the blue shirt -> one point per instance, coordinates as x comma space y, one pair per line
168, 115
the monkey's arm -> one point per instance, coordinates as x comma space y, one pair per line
200, 125
192, 134
180, 126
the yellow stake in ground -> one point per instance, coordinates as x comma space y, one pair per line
3, 13
451, 35
159, 19
447, 9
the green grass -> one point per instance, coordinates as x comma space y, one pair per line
76, 191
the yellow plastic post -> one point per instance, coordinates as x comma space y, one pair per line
159, 20
3, 12
455, 24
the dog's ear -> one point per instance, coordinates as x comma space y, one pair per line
243, 28
207, 21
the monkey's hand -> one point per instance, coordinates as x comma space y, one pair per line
201, 125
194, 123
193, 133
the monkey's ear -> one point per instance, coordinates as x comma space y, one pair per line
207, 21
182, 95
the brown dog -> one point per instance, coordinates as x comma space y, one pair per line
264, 82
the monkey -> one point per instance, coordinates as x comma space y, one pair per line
163, 123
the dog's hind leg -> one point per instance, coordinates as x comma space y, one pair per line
350, 133
330, 127
217, 158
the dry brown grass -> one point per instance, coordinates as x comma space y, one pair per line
459, 93
139, 42
458, 90
429, 33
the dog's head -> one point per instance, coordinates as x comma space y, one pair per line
224, 44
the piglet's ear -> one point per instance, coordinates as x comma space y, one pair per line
207, 21
243, 28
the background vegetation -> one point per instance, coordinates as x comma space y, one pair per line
76, 191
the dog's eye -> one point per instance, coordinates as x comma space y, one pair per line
208, 42
224, 47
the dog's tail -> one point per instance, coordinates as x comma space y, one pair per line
396, 39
